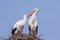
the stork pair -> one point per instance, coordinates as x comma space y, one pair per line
33, 27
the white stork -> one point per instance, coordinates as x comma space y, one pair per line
18, 26
33, 27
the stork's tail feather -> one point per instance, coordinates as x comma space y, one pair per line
13, 31
29, 29
36, 30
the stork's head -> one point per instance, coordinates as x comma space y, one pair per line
34, 12
25, 16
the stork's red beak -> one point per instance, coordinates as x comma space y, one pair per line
35, 10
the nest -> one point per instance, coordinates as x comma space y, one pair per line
21, 36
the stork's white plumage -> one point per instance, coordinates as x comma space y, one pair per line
18, 26
33, 27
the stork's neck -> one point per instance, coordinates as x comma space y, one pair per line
25, 17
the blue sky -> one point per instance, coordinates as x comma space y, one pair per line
48, 17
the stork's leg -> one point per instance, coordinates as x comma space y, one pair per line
36, 30
13, 30
29, 29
